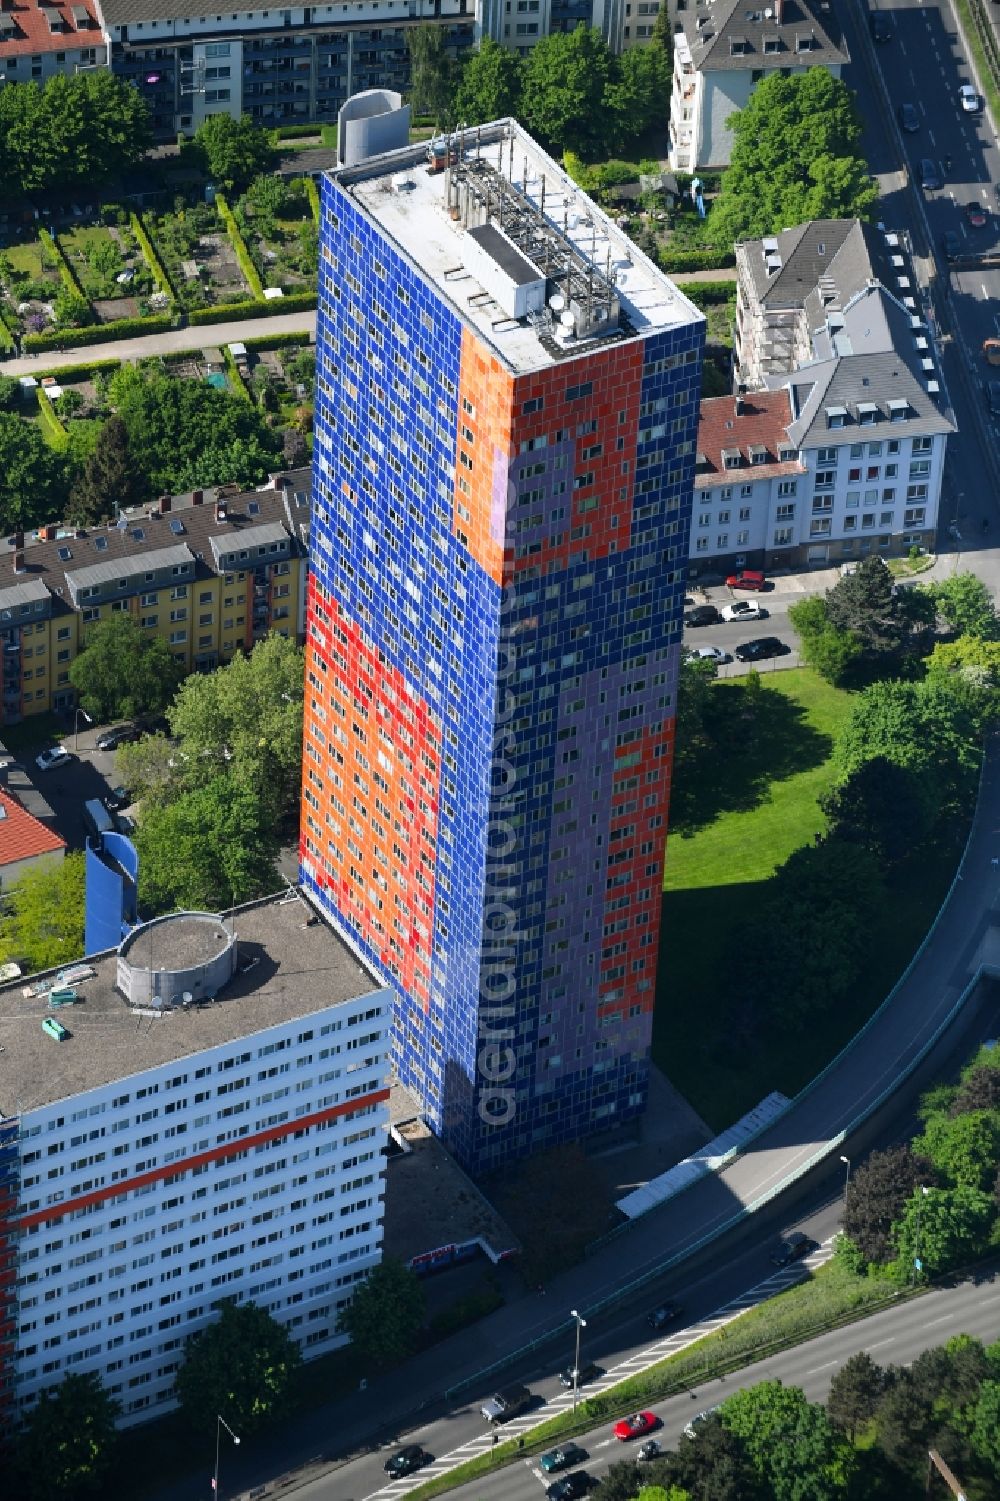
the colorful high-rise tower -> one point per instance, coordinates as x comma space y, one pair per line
506, 418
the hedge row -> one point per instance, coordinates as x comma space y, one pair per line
242, 253
67, 275
328, 135
695, 260
7, 340
53, 431
152, 259
706, 293
236, 381
312, 193
296, 132
125, 328
67, 373
276, 341
234, 312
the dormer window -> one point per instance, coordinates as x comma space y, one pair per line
731, 458
785, 453
738, 46
701, 463
868, 413
836, 416
805, 43
772, 44
758, 453
899, 409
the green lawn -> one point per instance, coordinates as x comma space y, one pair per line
754, 806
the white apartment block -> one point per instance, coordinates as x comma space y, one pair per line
835, 446
723, 49
212, 1126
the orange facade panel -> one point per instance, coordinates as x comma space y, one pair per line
483, 453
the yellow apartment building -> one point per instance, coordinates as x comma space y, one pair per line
211, 573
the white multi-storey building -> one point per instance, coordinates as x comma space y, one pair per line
212, 1126
835, 446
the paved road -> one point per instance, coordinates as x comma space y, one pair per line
175, 341
896, 1336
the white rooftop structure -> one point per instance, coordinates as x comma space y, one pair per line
431, 201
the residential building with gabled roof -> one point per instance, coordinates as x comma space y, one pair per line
721, 51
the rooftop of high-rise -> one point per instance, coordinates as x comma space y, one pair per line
526, 259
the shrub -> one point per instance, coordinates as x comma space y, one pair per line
312, 193
695, 260
296, 132
239, 245
125, 328
709, 293
6, 337
160, 276
328, 135
238, 311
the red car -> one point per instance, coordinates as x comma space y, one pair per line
637, 1426
975, 215
747, 578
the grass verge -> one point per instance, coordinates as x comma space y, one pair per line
830, 1298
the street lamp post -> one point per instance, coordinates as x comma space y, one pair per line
220, 1423
76, 726
580, 1324
847, 1177
918, 1265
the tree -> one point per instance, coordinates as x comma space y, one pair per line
242, 1366
212, 846
44, 925
791, 1443
622, 1482
82, 129
432, 73
247, 716
638, 94
662, 35
565, 80
33, 479
10, 393
712, 1466
124, 671
969, 656
881, 806
796, 149
109, 482
964, 1148
855, 1392
942, 1228
876, 1195
904, 1419
806, 930
966, 604
979, 1089
386, 1313
66, 1446
185, 434
293, 448
490, 86
234, 151
985, 1427
832, 652
864, 604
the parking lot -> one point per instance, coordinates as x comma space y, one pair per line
90, 773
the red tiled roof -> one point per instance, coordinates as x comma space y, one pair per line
21, 835
76, 22
756, 420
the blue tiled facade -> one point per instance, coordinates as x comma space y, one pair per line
545, 693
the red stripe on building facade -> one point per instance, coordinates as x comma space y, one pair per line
188, 1164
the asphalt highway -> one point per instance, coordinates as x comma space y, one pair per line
895, 1336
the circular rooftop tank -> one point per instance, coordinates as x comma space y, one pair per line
179, 960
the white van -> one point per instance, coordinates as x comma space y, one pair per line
96, 819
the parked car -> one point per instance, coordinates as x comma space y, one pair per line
571, 1486
407, 1461
909, 118
636, 1426
793, 1248
122, 734
563, 1458
506, 1404
53, 757
664, 1315
993, 397
118, 798
747, 578
951, 244
744, 609
761, 648
968, 97
690, 1429
702, 615
975, 215
586, 1373
711, 654
927, 171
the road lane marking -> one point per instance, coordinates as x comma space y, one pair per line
890, 1341
824, 1367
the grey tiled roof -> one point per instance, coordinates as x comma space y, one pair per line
843, 254
25, 593
741, 34
228, 543
125, 568
128, 12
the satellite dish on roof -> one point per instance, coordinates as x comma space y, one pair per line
567, 320
557, 302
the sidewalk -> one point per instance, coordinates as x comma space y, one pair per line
174, 341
